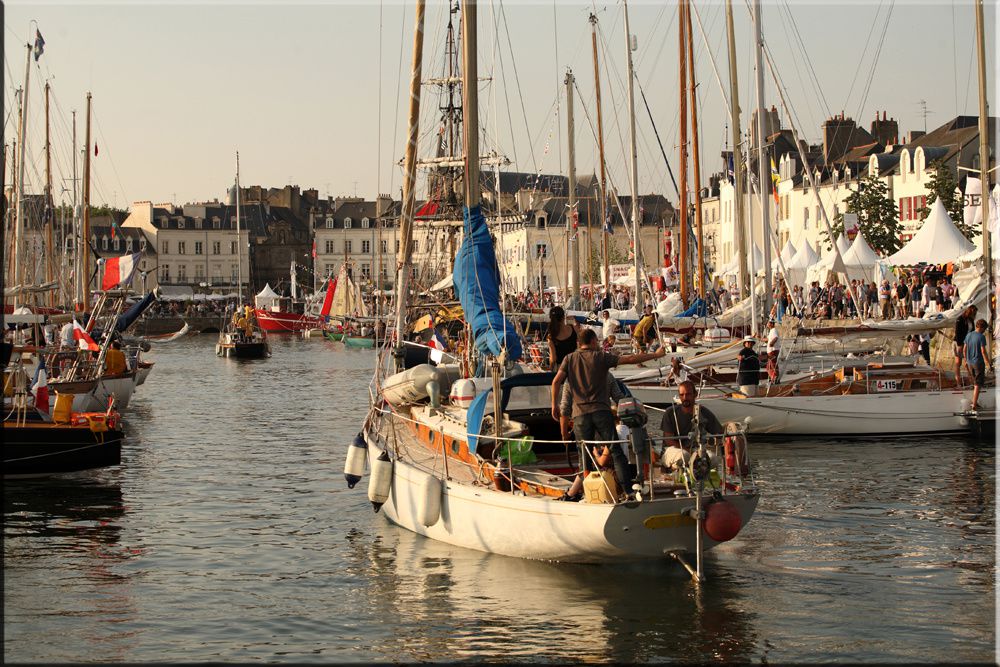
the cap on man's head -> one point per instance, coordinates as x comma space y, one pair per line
749, 339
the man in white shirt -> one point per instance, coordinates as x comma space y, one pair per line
773, 345
610, 325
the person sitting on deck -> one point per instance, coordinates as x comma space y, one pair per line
114, 361
677, 424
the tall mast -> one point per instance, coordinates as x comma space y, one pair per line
19, 220
470, 104
409, 180
239, 236
682, 147
85, 241
603, 208
984, 158
734, 123
763, 171
693, 85
77, 234
572, 239
49, 249
634, 172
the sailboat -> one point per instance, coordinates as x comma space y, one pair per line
440, 444
241, 335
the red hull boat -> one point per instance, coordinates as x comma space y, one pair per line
281, 322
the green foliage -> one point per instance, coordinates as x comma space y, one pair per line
596, 264
877, 216
942, 184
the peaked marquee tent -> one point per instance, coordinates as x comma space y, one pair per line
937, 242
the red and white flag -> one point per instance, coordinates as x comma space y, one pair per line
40, 388
119, 270
437, 348
86, 342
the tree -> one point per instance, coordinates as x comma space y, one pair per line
942, 184
877, 216
615, 256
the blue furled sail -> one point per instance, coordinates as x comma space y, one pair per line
126, 319
477, 282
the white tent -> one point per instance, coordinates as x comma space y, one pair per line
842, 244
785, 256
800, 262
862, 263
266, 298
734, 265
937, 242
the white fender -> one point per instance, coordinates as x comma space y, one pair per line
380, 481
429, 501
354, 466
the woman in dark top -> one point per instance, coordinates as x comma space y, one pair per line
748, 368
561, 337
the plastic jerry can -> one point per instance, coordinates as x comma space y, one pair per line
600, 487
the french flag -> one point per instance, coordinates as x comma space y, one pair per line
119, 270
437, 348
86, 342
40, 388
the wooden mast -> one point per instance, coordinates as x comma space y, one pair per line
19, 220
85, 240
603, 207
634, 172
682, 59
49, 249
409, 183
693, 86
984, 161
734, 122
572, 216
763, 171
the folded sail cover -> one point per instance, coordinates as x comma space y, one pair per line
477, 282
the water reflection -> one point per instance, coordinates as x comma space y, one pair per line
471, 605
63, 544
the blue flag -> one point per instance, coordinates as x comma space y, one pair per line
39, 45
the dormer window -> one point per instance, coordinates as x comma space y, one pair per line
104, 243
216, 223
128, 245
180, 223
347, 223
197, 223
117, 244
364, 223
142, 245
329, 223
93, 241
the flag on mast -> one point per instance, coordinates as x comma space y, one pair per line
775, 179
86, 342
119, 270
39, 45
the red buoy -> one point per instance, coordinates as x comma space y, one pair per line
722, 521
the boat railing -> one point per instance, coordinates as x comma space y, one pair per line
727, 453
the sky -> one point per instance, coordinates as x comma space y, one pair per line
315, 94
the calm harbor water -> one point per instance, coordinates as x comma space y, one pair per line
228, 534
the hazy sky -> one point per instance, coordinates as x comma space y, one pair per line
315, 94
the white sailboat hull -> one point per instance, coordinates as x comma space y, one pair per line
96, 400
852, 414
485, 519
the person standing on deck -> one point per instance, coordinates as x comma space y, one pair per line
773, 347
748, 368
965, 323
562, 337
976, 357
586, 371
